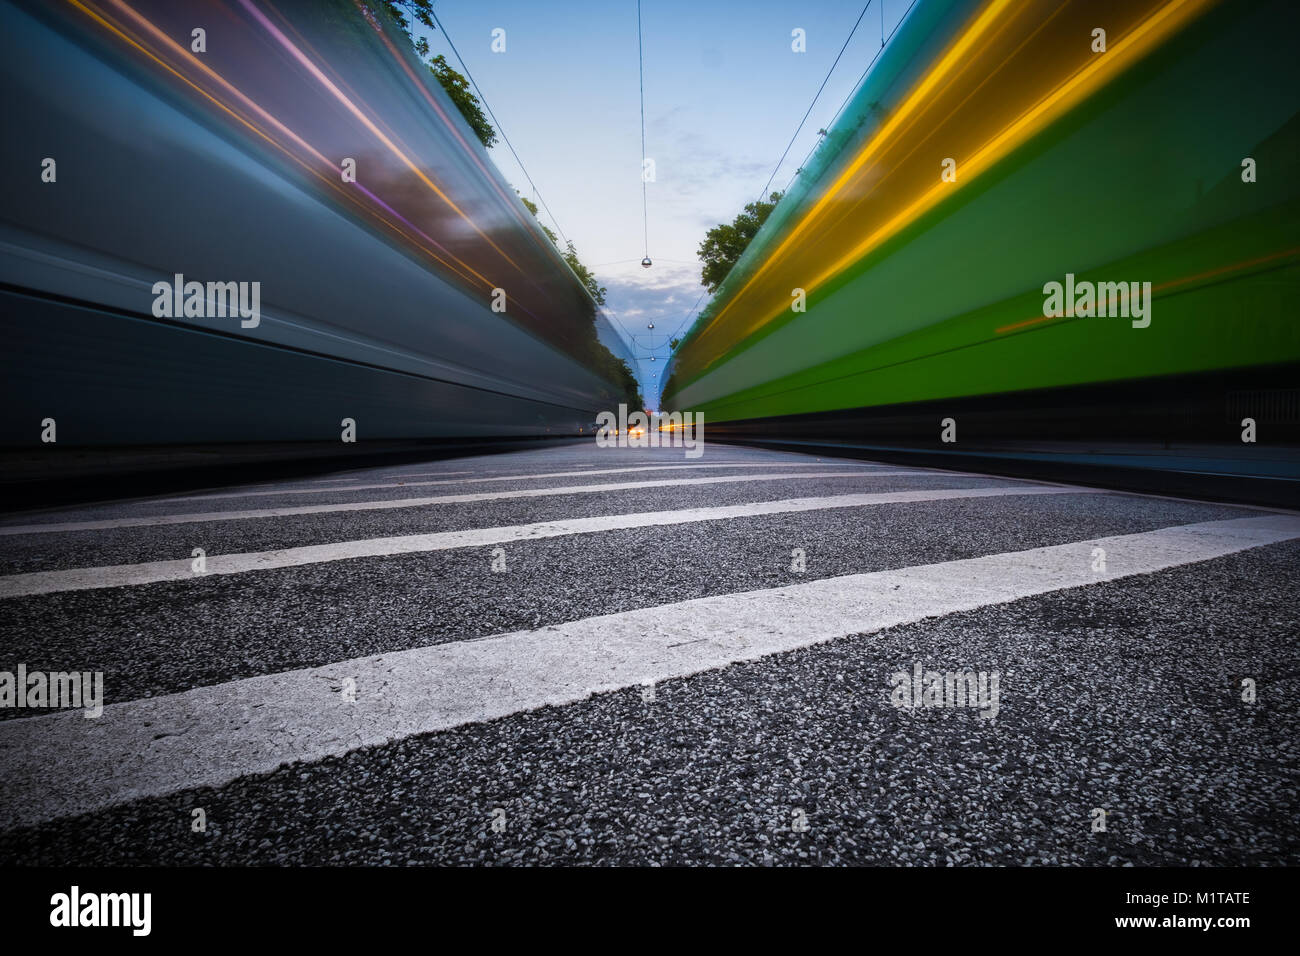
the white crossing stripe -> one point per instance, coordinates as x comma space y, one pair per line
150, 521
465, 481
415, 474
125, 575
61, 764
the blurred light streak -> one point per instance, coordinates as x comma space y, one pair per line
311, 67
331, 182
1167, 286
796, 259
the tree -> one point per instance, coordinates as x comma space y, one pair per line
587, 347
597, 356
618, 372
570, 255
532, 207
422, 10
724, 244
458, 89
584, 274
455, 84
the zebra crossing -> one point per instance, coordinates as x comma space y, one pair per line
637, 590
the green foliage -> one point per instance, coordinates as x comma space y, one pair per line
570, 256
674, 343
599, 359
455, 84
724, 244
532, 207
588, 349
592, 352
584, 274
422, 10
614, 370
458, 88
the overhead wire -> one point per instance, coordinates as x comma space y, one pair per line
852, 90
645, 206
500, 129
816, 97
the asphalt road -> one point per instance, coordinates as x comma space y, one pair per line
614, 656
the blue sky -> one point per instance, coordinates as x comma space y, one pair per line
724, 93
